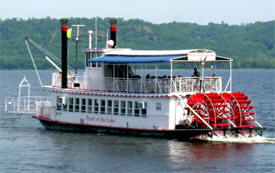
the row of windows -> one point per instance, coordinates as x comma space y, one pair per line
101, 106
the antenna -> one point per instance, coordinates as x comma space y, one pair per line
96, 32
106, 38
76, 43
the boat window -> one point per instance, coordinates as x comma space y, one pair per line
102, 107
122, 107
144, 109
109, 107
83, 105
116, 106
96, 106
76, 106
71, 104
90, 105
158, 106
130, 108
64, 105
58, 103
137, 109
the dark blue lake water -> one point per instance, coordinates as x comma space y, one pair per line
25, 146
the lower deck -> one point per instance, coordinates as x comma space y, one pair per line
117, 110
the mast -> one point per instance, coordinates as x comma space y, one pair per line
76, 44
95, 32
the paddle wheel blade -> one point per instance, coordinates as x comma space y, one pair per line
212, 108
245, 115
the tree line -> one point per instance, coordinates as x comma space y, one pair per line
250, 45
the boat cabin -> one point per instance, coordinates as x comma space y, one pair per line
141, 71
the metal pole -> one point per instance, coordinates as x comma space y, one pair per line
29, 92
6, 105
76, 45
114, 76
107, 38
141, 79
37, 74
202, 76
171, 74
156, 79
19, 98
230, 76
127, 77
50, 61
95, 32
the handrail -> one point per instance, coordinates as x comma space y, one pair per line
146, 85
27, 104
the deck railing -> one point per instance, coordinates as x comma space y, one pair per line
23, 104
163, 85
195, 84
43, 108
151, 85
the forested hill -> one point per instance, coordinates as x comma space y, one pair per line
251, 45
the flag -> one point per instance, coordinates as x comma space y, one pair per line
69, 33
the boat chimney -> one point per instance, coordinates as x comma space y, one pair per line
113, 30
64, 28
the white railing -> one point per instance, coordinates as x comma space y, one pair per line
43, 108
195, 84
23, 104
163, 85
144, 85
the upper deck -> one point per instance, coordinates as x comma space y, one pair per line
115, 70
156, 85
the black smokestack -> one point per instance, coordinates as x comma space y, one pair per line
113, 30
64, 28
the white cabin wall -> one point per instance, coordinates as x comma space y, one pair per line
159, 117
53, 108
172, 113
154, 119
177, 109
95, 78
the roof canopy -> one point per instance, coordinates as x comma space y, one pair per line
126, 56
132, 59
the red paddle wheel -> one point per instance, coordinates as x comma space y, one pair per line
242, 108
222, 111
212, 107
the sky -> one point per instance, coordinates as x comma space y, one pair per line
155, 11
